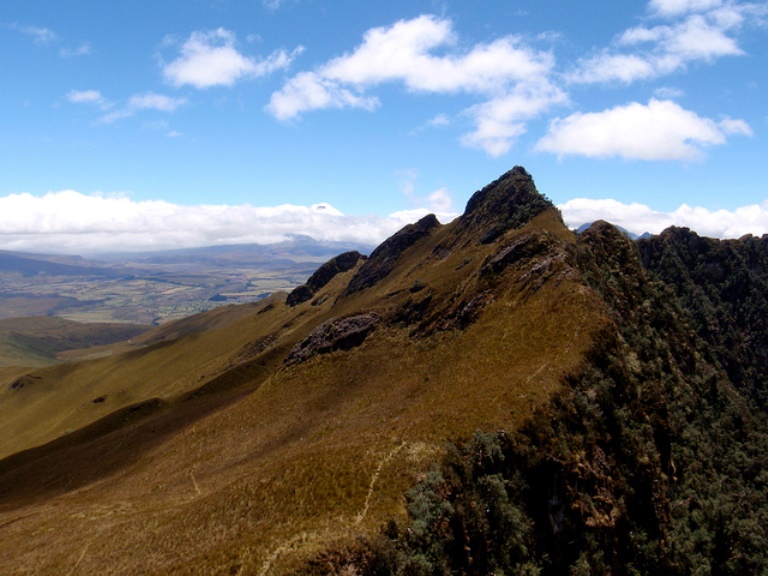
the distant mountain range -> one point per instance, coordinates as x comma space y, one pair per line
37, 264
155, 287
495, 395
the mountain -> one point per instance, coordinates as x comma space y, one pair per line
40, 264
631, 235
494, 395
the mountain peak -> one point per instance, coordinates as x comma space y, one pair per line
509, 202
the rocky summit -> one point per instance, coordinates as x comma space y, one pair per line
494, 395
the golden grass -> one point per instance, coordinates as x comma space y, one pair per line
296, 459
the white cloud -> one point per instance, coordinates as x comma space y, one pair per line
664, 49
88, 97
607, 67
310, 91
402, 52
136, 103
639, 218
660, 130
510, 78
71, 222
146, 101
211, 59
150, 100
677, 7
440, 120
501, 120
731, 126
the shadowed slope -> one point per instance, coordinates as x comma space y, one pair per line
270, 464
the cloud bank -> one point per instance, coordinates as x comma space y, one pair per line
639, 218
71, 222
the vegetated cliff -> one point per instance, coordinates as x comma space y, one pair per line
599, 424
723, 285
651, 461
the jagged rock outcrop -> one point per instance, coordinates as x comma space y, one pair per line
507, 203
383, 259
335, 334
323, 275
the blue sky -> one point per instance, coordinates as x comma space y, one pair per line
131, 125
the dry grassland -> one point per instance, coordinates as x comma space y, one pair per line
267, 466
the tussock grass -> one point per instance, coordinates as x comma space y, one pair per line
271, 465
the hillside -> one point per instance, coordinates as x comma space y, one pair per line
37, 341
309, 433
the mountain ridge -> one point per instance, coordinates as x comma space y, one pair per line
503, 320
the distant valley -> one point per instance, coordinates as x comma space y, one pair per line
157, 287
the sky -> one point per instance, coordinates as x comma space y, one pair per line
130, 126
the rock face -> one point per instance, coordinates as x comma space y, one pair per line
335, 334
383, 259
323, 275
507, 203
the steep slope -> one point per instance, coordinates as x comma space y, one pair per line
282, 442
43, 404
723, 285
272, 463
649, 462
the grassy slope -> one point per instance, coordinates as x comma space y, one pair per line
274, 464
36, 341
163, 363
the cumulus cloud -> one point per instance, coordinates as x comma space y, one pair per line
501, 120
660, 130
508, 76
677, 7
211, 59
71, 222
311, 91
703, 30
639, 218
